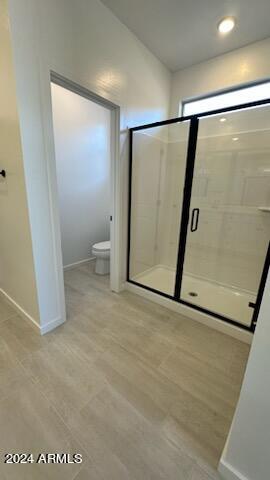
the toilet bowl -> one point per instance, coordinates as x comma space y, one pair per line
101, 251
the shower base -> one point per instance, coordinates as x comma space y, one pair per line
223, 300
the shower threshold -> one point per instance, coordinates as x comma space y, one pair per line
226, 301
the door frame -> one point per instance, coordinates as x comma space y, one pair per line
190, 160
115, 187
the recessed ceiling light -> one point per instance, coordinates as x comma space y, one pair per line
235, 139
226, 25
223, 119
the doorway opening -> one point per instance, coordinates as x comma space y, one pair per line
85, 137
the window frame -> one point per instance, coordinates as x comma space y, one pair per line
218, 93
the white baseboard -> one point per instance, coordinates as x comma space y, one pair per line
123, 286
41, 329
48, 327
228, 472
76, 264
188, 312
19, 309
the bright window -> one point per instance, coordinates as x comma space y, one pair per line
228, 99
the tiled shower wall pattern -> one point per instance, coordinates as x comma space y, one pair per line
156, 200
230, 183
148, 175
171, 208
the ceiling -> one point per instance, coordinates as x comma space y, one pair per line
182, 33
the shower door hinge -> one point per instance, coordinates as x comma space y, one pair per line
110, 218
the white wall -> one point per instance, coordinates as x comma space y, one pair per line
247, 452
82, 133
17, 277
84, 42
246, 64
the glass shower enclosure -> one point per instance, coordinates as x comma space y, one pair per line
199, 210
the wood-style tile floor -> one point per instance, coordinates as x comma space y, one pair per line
141, 392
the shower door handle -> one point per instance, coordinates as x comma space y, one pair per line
194, 219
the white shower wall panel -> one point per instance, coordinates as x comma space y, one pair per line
149, 153
172, 203
228, 186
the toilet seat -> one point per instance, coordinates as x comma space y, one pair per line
102, 246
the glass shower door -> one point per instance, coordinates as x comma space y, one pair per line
157, 182
229, 217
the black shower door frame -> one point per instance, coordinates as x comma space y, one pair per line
187, 193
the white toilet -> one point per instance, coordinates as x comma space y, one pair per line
101, 251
